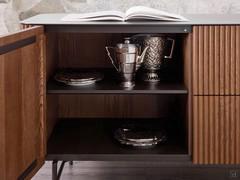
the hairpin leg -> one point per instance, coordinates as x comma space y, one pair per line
56, 174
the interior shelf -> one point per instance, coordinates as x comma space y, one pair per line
92, 139
110, 85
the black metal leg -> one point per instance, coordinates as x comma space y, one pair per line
60, 170
54, 170
56, 174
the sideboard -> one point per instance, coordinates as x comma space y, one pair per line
199, 103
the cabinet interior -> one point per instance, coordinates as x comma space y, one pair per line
82, 50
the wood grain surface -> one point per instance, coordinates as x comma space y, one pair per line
20, 102
216, 59
81, 50
116, 106
216, 130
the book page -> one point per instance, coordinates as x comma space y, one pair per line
95, 16
142, 12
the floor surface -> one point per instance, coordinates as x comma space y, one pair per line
77, 172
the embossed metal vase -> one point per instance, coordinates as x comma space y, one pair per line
155, 54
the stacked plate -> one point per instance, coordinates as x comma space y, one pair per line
139, 137
78, 77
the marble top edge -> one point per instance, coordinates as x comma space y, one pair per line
194, 19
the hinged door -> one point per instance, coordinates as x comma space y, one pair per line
22, 97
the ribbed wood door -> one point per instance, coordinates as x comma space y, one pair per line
216, 60
215, 94
216, 135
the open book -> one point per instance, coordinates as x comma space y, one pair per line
132, 14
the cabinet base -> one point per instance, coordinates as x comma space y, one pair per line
153, 171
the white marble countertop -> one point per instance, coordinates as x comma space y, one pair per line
194, 19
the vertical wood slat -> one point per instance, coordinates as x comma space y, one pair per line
216, 135
216, 60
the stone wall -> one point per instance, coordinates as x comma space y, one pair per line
11, 11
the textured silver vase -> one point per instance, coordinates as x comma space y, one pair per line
157, 46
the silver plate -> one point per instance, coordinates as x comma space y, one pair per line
78, 77
139, 138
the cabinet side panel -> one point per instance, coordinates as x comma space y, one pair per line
41, 42
51, 65
2, 121
187, 56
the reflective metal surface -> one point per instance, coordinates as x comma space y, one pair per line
155, 54
126, 61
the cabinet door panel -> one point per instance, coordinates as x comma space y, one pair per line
216, 60
21, 95
216, 129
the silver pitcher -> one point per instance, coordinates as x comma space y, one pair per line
127, 61
155, 54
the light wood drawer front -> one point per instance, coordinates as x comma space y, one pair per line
216, 129
216, 60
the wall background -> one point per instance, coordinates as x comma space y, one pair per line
11, 11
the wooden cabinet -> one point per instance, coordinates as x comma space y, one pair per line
21, 97
38, 115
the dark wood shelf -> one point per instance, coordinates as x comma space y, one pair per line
91, 139
110, 85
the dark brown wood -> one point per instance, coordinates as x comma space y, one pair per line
75, 51
112, 86
85, 50
187, 60
52, 57
20, 104
92, 139
122, 106
129, 27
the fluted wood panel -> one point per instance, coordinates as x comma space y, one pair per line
216, 135
216, 60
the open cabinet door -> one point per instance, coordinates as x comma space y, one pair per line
22, 98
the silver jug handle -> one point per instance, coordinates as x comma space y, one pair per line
110, 57
173, 46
